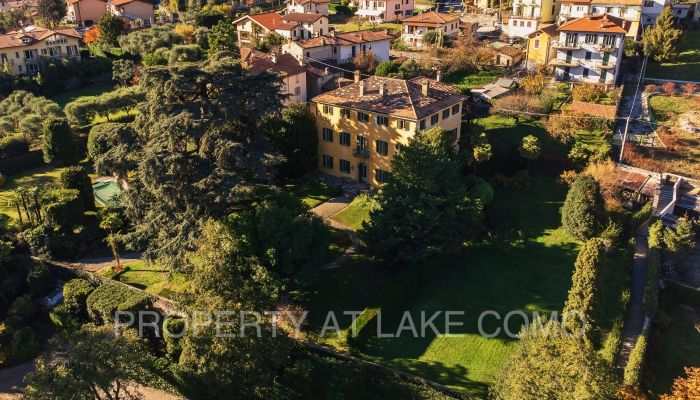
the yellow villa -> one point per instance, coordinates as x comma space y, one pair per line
23, 50
362, 126
539, 44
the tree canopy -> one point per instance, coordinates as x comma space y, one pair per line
583, 211
661, 40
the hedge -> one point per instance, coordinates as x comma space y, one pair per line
635, 365
75, 294
104, 301
21, 163
13, 145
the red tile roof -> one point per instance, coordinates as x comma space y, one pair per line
596, 23
35, 34
430, 18
620, 2
509, 51
258, 62
302, 2
347, 38
122, 2
302, 17
269, 21
403, 99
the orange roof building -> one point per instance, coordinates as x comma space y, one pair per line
413, 29
342, 47
23, 50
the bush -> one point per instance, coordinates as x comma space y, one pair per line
59, 142
478, 188
77, 178
13, 145
23, 346
104, 301
62, 317
386, 67
21, 163
39, 280
185, 53
633, 369
173, 326
75, 294
63, 209
588, 92
22, 311
146, 41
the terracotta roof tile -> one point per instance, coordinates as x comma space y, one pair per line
302, 17
122, 2
403, 99
36, 34
302, 2
269, 21
430, 18
509, 51
596, 23
347, 38
619, 2
258, 62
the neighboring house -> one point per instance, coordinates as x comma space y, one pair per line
291, 71
526, 16
362, 126
494, 90
254, 27
414, 28
589, 49
12, 4
651, 9
24, 49
506, 55
539, 45
341, 48
681, 11
132, 10
384, 10
297, 26
308, 6
630, 10
241, 4
85, 12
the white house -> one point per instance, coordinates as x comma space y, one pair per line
527, 15
651, 9
308, 7
384, 10
298, 26
413, 28
589, 49
631, 10
341, 48
254, 27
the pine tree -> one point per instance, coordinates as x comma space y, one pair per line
656, 235
581, 308
661, 41
530, 147
424, 207
584, 210
680, 240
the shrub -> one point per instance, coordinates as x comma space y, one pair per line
173, 326
13, 145
365, 61
690, 88
481, 190
59, 142
386, 67
22, 311
23, 346
147, 41
39, 280
669, 88
75, 294
588, 92
104, 301
62, 317
185, 53
77, 178
633, 370
63, 208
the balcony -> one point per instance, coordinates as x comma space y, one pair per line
361, 152
566, 45
564, 63
605, 66
606, 48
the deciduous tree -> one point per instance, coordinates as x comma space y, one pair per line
51, 12
530, 147
223, 37
293, 135
424, 208
111, 27
687, 387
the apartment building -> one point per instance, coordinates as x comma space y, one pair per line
414, 28
362, 126
23, 50
85, 12
589, 49
527, 15
630, 10
291, 71
384, 10
298, 26
308, 7
132, 10
341, 48
254, 27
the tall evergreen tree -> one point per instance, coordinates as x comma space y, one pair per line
661, 40
656, 235
51, 12
197, 153
110, 26
680, 240
548, 364
582, 306
424, 207
78, 178
59, 142
584, 210
293, 135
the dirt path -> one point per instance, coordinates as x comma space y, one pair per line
325, 211
96, 264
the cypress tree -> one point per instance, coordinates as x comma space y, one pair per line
59, 142
661, 41
77, 178
584, 209
581, 308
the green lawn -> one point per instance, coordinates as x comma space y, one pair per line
353, 26
667, 109
151, 278
465, 80
42, 177
356, 213
686, 67
311, 193
681, 340
90, 90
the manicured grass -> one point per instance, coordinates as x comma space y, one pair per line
90, 90
356, 213
311, 193
43, 177
151, 278
680, 340
686, 67
465, 80
667, 109
353, 26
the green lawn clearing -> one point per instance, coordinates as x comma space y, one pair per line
90, 90
43, 177
667, 109
686, 67
468, 81
311, 193
356, 213
355, 26
151, 278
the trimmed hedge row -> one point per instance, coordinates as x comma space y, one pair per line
635, 365
21, 163
104, 301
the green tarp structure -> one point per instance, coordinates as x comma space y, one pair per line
105, 191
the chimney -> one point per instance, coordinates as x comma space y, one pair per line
274, 58
362, 88
357, 75
332, 33
301, 61
383, 89
438, 76
425, 85
326, 71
